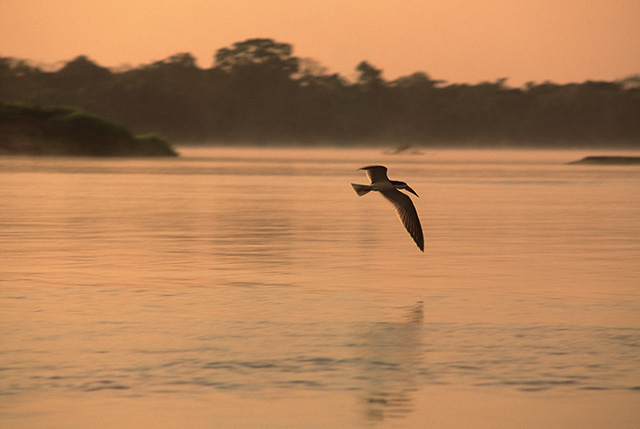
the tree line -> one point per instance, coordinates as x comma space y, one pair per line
257, 91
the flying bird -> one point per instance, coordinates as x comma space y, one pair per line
401, 202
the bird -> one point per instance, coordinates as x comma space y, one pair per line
389, 189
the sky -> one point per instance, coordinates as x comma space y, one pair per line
458, 41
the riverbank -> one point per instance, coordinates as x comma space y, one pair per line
609, 160
64, 131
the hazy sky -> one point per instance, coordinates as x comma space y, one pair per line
454, 40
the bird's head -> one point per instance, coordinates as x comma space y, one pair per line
412, 191
402, 185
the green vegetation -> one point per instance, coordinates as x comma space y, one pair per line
37, 130
257, 91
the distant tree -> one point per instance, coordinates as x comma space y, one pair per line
84, 69
182, 60
631, 82
257, 90
174, 74
12, 67
80, 82
369, 75
309, 70
169, 96
260, 94
416, 81
258, 55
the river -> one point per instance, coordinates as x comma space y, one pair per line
244, 287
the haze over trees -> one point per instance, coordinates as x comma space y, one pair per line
257, 91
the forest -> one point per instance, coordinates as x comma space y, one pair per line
258, 92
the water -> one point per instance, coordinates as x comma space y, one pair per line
244, 287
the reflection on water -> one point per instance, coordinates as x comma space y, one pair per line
394, 353
260, 272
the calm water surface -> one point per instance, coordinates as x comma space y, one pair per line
258, 281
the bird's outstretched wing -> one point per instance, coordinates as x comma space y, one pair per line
376, 173
407, 213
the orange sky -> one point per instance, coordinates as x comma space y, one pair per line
454, 40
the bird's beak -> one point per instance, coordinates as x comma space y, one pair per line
412, 191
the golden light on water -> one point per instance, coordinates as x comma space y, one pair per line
185, 292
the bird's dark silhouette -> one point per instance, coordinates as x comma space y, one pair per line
401, 202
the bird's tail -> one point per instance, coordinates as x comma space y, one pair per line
361, 189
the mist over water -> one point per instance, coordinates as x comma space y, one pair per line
258, 276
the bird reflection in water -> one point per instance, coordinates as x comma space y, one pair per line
392, 356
